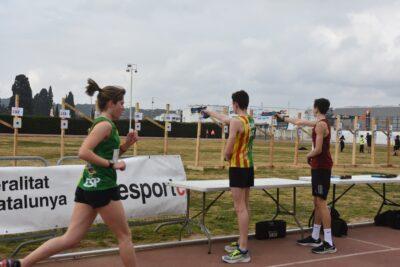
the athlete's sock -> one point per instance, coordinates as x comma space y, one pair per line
315, 231
328, 236
244, 251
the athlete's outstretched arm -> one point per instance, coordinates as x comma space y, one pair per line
298, 122
234, 128
220, 117
100, 132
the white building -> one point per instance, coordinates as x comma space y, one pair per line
262, 115
175, 117
188, 116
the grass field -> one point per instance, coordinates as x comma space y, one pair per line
358, 206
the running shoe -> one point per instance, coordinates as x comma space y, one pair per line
309, 241
325, 248
232, 247
237, 256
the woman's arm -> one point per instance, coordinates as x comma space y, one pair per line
100, 132
131, 138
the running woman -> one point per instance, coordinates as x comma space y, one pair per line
320, 161
239, 153
97, 191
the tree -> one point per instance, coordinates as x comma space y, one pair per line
69, 99
4, 110
56, 111
22, 88
50, 98
41, 103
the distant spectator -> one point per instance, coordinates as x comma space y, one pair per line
369, 141
206, 133
362, 143
342, 143
212, 133
396, 145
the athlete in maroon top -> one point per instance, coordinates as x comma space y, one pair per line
323, 160
320, 161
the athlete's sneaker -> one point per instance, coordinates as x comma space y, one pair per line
237, 256
325, 248
232, 247
309, 241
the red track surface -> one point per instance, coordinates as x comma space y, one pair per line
364, 246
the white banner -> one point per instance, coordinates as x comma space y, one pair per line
42, 198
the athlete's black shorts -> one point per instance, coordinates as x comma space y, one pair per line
241, 177
97, 199
321, 182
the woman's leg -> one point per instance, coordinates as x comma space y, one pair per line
82, 218
114, 216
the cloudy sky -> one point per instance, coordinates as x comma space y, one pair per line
193, 52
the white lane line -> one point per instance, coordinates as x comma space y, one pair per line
369, 243
334, 258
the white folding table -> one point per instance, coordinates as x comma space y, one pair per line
361, 179
208, 186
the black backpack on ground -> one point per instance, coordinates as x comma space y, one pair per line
396, 220
390, 218
339, 226
270, 229
334, 213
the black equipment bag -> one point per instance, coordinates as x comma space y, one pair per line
390, 218
385, 218
396, 220
339, 227
334, 213
270, 229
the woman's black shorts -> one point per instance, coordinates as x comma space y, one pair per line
97, 199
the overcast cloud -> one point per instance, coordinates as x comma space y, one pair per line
193, 52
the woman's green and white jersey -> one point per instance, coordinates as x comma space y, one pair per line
96, 178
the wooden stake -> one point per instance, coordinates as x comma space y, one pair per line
135, 145
6, 124
62, 146
166, 130
388, 133
336, 160
197, 158
355, 126
16, 131
297, 143
223, 139
374, 132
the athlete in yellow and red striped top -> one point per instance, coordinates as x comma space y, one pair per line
242, 156
238, 151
